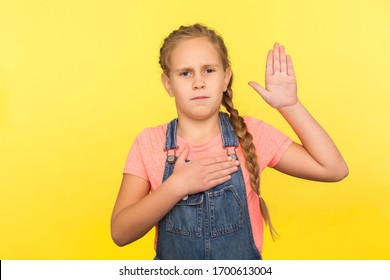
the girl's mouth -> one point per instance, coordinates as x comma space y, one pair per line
199, 98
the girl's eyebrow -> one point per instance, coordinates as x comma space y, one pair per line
191, 68
182, 69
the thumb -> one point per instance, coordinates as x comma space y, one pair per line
183, 154
265, 94
262, 91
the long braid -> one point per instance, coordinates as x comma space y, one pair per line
245, 138
249, 151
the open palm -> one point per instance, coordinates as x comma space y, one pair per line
281, 85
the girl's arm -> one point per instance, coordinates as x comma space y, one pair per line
136, 211
317, 158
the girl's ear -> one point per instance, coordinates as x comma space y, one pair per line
228, 76
167, 84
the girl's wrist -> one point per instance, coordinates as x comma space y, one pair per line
290, 108
175, 190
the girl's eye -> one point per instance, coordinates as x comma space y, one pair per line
185, 74
210, 70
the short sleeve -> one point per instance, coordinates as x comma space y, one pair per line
134, 164
270, 143
280, 150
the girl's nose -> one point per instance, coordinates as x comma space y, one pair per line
198, 82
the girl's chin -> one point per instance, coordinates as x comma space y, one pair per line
202, 114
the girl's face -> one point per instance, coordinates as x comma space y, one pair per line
197, 79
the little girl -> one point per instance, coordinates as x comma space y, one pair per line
197, 178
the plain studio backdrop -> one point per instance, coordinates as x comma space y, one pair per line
80, 79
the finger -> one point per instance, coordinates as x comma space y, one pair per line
219, 181
214, 160
276, 58
222, 171
269, 70
223, 166
283, 61
290, 67
221, 174
262, 91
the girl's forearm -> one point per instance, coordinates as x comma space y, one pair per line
315, 140
136, 220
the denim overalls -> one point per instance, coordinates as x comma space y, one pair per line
209, 225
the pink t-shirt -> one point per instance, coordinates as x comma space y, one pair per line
147, 159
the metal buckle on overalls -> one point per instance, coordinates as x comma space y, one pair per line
171, 158
232, 154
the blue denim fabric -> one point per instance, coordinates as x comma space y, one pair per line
210, 225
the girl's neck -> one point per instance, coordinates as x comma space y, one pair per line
198, 132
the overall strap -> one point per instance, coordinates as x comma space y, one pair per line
229, 137
171, 142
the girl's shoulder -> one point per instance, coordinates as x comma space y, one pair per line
153, 134
252, 123
251, 120
259, 127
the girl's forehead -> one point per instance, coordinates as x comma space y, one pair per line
195, 50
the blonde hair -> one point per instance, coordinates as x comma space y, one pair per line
244, 137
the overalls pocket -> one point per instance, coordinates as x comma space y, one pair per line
226, 211
185, 217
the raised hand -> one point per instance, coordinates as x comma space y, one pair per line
280, 83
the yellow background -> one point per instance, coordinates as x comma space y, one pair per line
80, 79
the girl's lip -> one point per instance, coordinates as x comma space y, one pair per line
199, 97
